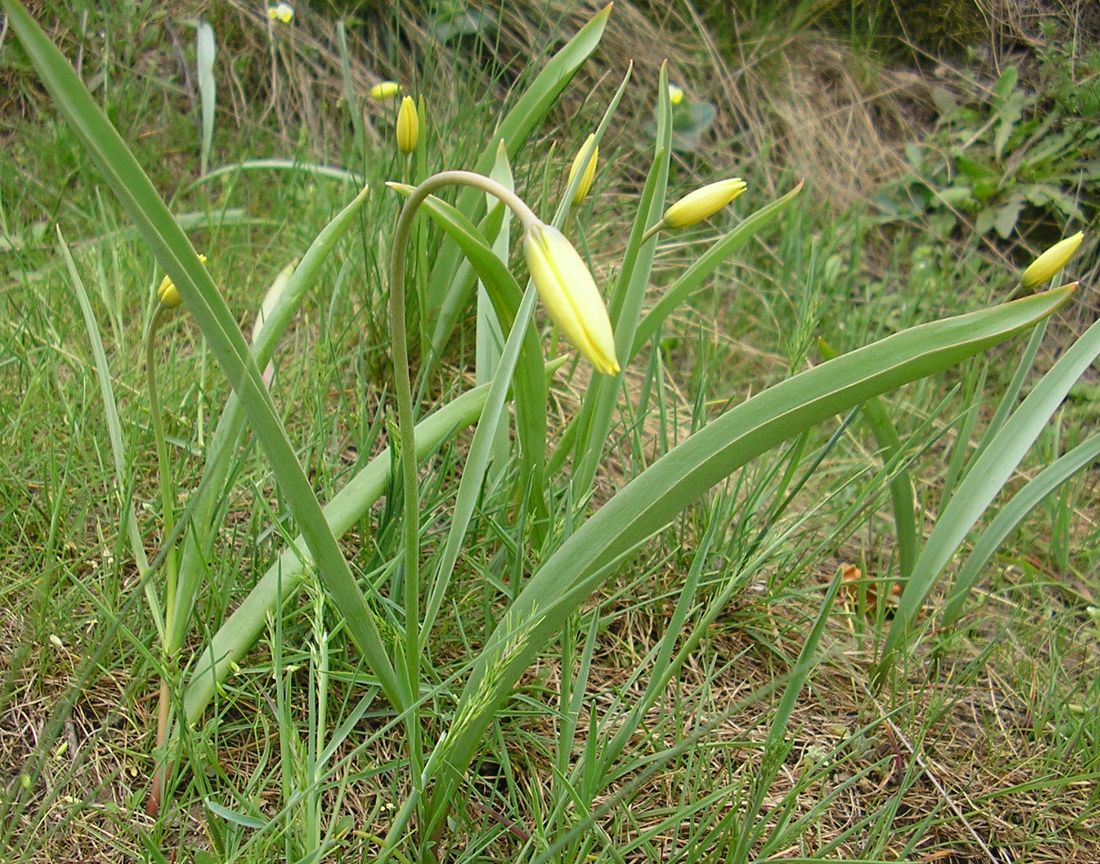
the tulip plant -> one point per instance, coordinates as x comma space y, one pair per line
570, 565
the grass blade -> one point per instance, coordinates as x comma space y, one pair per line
114, 430
776, 746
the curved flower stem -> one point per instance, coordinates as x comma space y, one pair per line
406, 420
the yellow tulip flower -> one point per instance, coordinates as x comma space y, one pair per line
703, 203
589, 174
385, 90
408, 125
570, 295
1051, 261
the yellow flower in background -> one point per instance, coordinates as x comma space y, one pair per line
675, 94
168, 293
1051, 261
408, 125
570, 295
282, 12
589, 174
385, 90
703, 203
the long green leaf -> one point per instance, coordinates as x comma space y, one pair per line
990, 471
205, 51
178, 258
679, 478
326, 171
1010, 516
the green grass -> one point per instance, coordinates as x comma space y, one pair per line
983, 742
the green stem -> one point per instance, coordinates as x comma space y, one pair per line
406, 420
167, 496
653, 229
163, 467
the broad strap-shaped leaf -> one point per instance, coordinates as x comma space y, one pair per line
205, 52
1010, 516
987, 476
680, 477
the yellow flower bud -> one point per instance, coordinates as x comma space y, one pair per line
385, 90
1051, 261
283, 12
675, 94
570, 295
408, 125
703, 203
589, 174
167, 292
